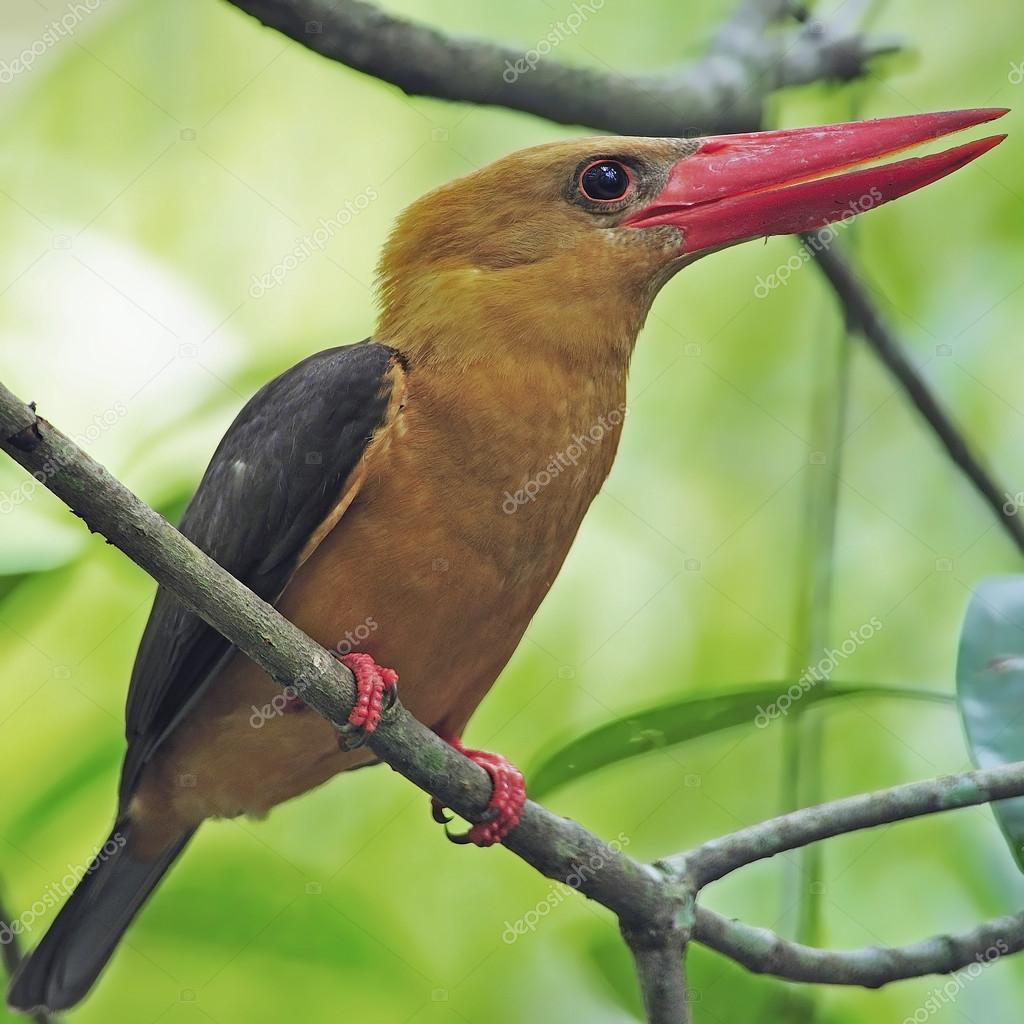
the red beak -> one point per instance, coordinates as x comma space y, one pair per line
737, 187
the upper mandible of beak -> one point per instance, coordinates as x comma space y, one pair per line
737, 187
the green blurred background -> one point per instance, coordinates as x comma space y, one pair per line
166, 152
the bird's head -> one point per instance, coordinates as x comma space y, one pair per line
564, 246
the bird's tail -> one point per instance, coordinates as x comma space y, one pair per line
63, 967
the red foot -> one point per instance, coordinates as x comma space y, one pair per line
373, 685
508, 794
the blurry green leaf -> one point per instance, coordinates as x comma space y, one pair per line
684, 719
721, 990
65, 788
10, 582
990, 688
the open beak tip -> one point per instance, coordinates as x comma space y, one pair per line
972, 150
978, 115
747, 186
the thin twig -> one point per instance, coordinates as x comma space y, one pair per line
865, 317
765, 952
720, 857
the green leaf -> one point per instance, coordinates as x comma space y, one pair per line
684, 719
990, 688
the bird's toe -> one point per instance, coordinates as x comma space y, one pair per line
508, 795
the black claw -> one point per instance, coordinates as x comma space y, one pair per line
390, 696
437, 812
351, 737
458, 838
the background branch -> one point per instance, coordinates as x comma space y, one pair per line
864, 316
722, 91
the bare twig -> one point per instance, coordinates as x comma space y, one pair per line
720, 857
292, 659
764, 952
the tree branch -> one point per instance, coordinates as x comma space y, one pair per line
764, 952
723, 91
654, 903
720, 857
658, 954
864, 316
554, 846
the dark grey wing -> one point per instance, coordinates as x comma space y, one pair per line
275, 477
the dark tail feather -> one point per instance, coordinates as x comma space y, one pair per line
63, 967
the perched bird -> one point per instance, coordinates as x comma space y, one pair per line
510, 301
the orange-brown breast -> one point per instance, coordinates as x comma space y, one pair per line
454, 527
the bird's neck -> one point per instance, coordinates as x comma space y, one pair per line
513, 321
514, 421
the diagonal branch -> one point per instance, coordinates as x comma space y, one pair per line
724, 91
864, 316
654, 903
292, 659
556, 847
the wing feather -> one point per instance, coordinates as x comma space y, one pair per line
275, 478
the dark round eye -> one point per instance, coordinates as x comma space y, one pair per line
604, 181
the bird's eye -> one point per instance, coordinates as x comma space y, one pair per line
604, 181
